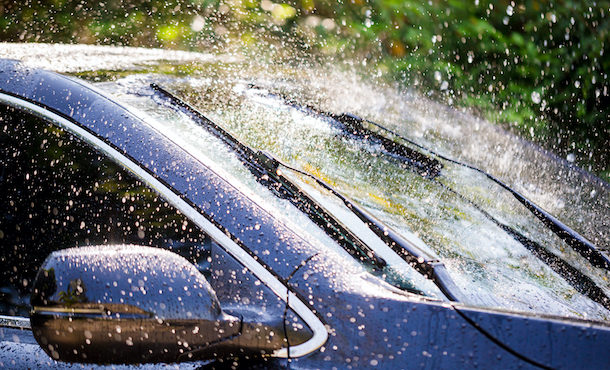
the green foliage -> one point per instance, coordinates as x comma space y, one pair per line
537, 66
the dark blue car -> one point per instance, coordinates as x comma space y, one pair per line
122, 245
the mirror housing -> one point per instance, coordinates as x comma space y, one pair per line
127, 304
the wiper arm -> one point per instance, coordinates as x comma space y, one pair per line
431, 268
265, 169
431, 167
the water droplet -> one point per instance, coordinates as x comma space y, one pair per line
536, 98
197, 25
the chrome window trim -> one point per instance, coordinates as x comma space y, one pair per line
15, 322
320, 334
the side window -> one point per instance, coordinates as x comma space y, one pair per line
56, 192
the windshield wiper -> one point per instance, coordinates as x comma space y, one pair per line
266, 169
353, 126
596, 256
423, 263
431, 168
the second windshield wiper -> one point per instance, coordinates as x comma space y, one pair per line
430, 168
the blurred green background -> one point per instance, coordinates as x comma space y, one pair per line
538, 68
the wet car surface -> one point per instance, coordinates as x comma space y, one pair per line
135, 186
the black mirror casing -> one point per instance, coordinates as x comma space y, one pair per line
126, 304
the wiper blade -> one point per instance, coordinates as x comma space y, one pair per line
423, 164
579, 281
431, 268
265, 169
357, 128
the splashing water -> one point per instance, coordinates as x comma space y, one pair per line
492, 267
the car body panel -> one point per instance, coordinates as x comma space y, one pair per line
373, 326
555, 343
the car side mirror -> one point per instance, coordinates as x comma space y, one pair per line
133, 304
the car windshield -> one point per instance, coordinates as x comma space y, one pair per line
449, 217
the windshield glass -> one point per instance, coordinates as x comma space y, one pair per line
214, 153
451, 217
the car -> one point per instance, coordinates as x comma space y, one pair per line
138, 249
